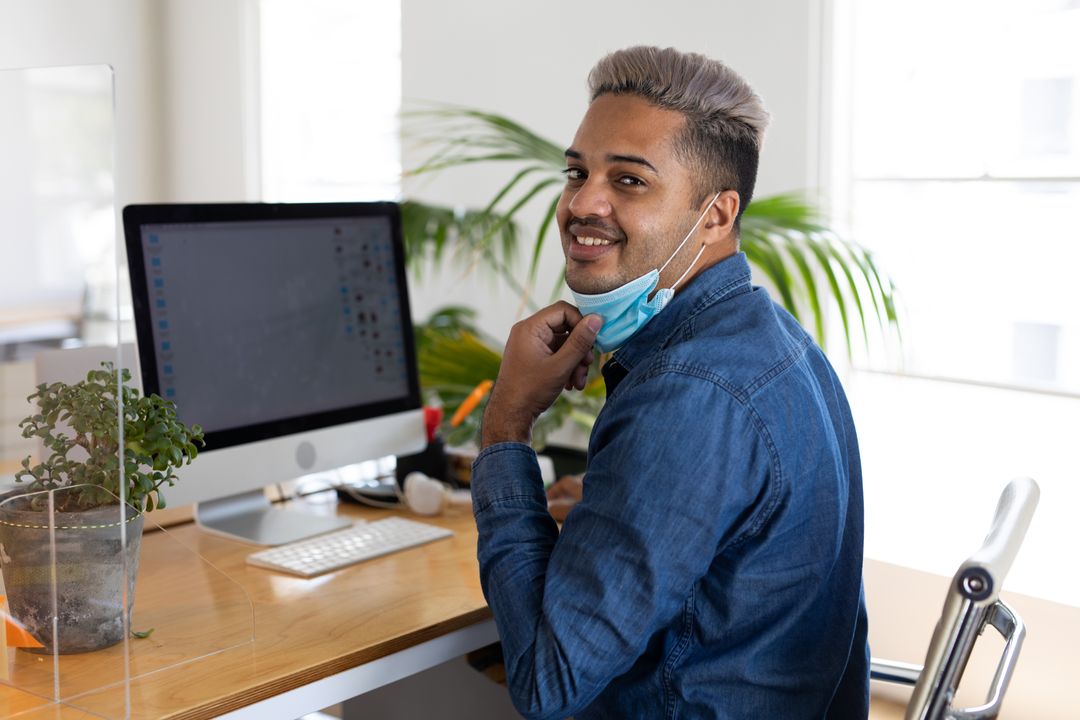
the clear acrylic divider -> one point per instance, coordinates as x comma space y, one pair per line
68, 576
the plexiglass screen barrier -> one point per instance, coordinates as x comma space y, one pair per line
99, 606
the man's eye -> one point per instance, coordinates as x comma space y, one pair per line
629, 180
574, 174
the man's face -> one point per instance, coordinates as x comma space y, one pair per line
626, 204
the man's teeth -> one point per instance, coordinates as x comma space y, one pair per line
593, 241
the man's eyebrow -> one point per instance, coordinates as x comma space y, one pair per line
636, 159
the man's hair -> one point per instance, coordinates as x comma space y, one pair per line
725, 118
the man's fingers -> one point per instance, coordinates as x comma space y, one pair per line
567, 486
573, 353
564, 495
541, 357
581, 374
561, 317
559, 509
578, 344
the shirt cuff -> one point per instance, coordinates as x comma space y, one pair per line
506, 471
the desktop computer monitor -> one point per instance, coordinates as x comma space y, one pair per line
283, 330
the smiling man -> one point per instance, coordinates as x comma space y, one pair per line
713, 565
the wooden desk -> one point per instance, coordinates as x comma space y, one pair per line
316, 641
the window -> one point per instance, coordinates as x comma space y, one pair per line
330, 77
57, 243
956, 159
58, 280
964, 177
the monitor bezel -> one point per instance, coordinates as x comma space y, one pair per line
136, 216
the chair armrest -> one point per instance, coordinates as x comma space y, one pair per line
981, 575
894, 671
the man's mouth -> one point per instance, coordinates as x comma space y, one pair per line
590, 235
591, 242
586, 240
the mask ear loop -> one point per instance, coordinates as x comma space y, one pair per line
689, 268
685, 239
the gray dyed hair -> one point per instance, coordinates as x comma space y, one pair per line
725, 118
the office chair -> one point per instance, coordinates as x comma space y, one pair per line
971, 604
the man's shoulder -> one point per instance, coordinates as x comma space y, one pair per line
744, 344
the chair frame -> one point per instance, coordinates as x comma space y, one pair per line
970, 606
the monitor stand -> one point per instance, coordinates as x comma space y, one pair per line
251, 518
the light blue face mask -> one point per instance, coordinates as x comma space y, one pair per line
627, 308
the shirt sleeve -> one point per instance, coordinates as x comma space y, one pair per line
679, 470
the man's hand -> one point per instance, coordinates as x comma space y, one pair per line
564, 494
545, 353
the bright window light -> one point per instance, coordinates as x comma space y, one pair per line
956, 152
965, 179
330, 79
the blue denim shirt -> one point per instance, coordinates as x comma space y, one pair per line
713, 568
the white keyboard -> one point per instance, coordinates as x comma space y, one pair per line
338, 549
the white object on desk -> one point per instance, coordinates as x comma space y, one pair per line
335, 550
425, 496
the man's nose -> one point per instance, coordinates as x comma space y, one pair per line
591, 198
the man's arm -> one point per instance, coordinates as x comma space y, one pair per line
666, 491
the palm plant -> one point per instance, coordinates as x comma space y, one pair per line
808, 264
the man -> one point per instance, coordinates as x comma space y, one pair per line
713, 565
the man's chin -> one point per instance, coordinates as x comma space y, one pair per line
585, 283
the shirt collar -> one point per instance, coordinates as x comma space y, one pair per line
717, 282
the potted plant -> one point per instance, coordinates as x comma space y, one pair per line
69, 516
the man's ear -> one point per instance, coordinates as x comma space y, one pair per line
720, 219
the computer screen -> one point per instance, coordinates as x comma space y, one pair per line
283, 330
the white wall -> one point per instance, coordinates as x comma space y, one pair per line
209, 100
184, 90
529, 61
180, 115
185, 95
122, 33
